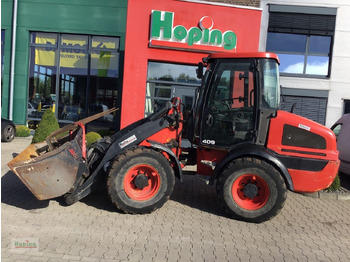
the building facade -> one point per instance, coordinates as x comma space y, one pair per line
166, 39
311, 39
83, 57
68, 56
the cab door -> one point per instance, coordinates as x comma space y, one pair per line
229, 109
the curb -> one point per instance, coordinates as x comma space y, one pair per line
330, 195
24, 138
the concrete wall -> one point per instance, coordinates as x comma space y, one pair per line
338, 84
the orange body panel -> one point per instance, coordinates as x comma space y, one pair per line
276, 132
167, 135
305, 181
308, 181
208, 155
164, 136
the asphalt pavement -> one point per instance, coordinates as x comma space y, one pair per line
189, 227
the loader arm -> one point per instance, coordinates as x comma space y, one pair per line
62, 165
126, 138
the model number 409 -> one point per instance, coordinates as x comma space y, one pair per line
208, 142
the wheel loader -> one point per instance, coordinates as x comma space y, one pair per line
240, 142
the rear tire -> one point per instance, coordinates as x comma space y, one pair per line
140, 181
251, 190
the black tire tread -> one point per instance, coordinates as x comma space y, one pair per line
132, 152
237, 164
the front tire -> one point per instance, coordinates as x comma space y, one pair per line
251, 190
140, 181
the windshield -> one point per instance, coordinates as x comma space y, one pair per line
270, 84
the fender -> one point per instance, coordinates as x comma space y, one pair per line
174, 158
254, 151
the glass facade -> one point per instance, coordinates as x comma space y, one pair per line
165, 81
74, 75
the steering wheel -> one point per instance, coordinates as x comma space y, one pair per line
222, 102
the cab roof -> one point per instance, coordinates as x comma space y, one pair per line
243, 55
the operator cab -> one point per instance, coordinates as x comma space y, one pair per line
239, 93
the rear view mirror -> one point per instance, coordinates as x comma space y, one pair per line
199, 70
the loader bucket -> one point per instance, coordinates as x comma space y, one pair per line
51, 174
51, 168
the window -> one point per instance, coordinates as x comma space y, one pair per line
303, 41
165, 81
346, 106
270, 84
336, 129
74, 75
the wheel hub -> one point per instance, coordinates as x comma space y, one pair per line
250, 190
141, 181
